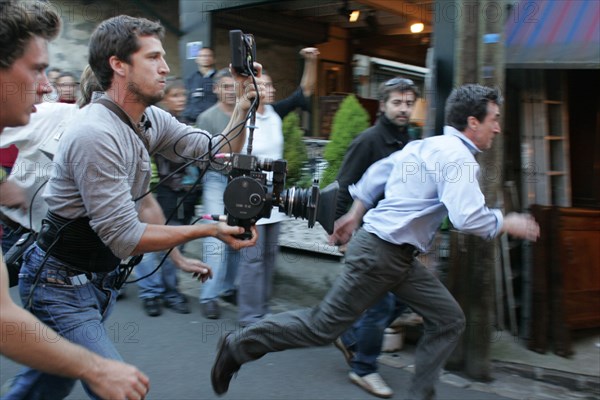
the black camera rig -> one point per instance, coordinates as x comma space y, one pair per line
248, 197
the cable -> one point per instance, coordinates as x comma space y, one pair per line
31, 205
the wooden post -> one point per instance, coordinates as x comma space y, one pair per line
480, 59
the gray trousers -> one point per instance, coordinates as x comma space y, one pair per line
373, 267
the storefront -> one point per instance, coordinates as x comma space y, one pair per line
552, 133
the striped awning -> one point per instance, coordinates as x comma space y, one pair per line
553, 34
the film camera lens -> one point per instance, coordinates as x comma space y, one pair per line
248, 198
311, 204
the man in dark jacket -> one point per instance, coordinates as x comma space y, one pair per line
361, 344
199, 86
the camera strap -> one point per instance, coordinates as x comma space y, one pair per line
119, 112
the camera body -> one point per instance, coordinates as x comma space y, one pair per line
243, 52
248, 197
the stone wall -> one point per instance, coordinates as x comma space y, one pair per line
80, 17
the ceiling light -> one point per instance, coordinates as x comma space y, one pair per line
353, 17
417, 27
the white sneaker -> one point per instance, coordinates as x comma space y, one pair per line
372, 383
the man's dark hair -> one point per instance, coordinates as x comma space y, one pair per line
397, 84
118, 36
19, 23
470, 101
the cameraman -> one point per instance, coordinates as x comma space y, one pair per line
24, 34
93, 222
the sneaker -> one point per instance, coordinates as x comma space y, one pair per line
224, 367
372, 383
152, 306
348, 354
211, 309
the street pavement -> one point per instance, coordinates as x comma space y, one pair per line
176, 351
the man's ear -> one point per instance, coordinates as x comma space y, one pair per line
472, 123
117, 65
381, 107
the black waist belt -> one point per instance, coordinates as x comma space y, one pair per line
13, 225
73, 241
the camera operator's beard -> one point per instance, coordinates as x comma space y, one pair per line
146, 99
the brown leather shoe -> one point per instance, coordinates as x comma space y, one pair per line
224, 367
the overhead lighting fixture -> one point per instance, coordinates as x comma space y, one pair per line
417, 27
354, 15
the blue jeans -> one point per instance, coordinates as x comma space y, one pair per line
162, 283
74, 306
365, 337
256, 268
219, 256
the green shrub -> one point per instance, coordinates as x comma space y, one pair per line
294, 150
349, 120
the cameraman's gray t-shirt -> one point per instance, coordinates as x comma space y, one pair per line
105, 166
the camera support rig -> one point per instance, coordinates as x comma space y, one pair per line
247, 197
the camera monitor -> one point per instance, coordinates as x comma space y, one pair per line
243, 52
